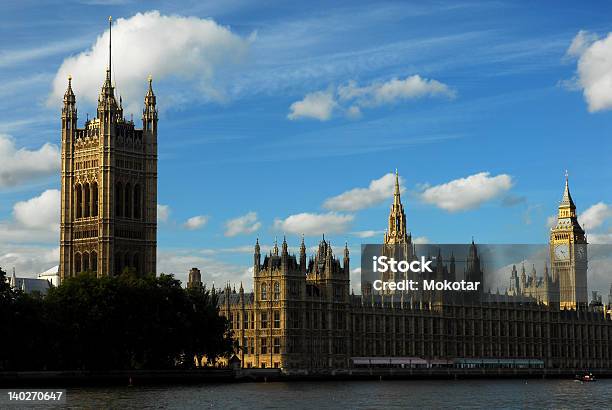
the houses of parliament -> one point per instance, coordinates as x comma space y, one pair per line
302, 314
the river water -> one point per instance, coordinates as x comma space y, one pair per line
514, 394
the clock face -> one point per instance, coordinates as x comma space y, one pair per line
562, 252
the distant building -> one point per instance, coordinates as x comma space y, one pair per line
52, 275
30, 285
195, 278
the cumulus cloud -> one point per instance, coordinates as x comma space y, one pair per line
35, 220
350, 99
318, 105
595, 215
243, 225
41, 212
367, 234
314, 224
594, 68
359, 198
196, 222
467, 193
22, 165
188, 49
163, 213
551, 221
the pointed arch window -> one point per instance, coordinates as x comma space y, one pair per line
77, 263
264, 291
94, 199
118, 199
276, 290
85, 261
86, 200
78, 200
94, 261
137, 202
128, 201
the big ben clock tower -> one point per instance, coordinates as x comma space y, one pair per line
568, 255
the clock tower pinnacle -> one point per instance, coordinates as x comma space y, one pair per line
568, 254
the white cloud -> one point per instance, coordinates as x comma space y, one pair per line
393, 91
601, 238
41, 212
595, 216
359, 198
551, 221
594, 71
179, 261
420, 240
163, 213
35, 220
314, 224
350, 99
318, 105
467, 193
196, 222
243, 225
367, 234
22, 165
189, 49
581, 43
28, 260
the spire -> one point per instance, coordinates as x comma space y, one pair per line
396, 232
285, 252
275, 249
346, 250
567, 200
107, 94
396, 192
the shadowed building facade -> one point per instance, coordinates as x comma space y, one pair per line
302, 316
108, 187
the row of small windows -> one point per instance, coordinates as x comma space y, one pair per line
275, 294
86, 164
128, 201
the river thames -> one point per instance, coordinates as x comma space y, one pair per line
511, 394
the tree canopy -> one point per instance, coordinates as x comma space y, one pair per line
121, 322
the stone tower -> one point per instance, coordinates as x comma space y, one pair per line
568, 255
109, 187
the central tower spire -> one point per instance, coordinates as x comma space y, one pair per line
396, 232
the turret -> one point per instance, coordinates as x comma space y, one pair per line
302, 256
257, 257
347, 259
523, 278
149, 114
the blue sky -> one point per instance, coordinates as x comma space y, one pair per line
498, 96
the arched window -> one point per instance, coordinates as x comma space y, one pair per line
136, 263
276, 290
85, 260
94, 199
94, 261
119, 200
77, 263
137, 202
128, 201
118, 263
264, 291
78, 201
127, 261
86, 200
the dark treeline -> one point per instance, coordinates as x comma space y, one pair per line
110, 323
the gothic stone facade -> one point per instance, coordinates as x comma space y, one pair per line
108, 188
302, 316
